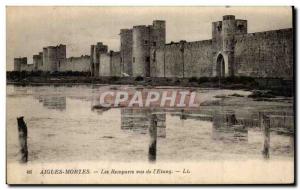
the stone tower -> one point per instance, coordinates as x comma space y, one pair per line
223, 44
35, 59
126, 51
45, 59
158, 41
96, 50
18, 62
52, 57
92, 66
158, 34
145, 40
61, 55
141, 51
38, 61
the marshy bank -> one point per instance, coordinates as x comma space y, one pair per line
262, 87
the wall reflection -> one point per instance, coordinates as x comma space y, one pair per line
226, 128
139, 120
53, 102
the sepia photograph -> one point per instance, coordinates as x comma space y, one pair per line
150, 95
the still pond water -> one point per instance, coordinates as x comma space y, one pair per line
64, 126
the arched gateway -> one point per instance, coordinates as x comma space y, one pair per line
220, 66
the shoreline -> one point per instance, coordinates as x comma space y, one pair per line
274, 86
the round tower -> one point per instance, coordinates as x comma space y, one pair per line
45, 59
17, 64
40, 62
61, 55
141, 51
92, 66
35, 59
52, 64
96, 61
126, 50
228, 31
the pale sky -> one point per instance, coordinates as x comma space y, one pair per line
28, 29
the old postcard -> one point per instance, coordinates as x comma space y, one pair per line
150, 95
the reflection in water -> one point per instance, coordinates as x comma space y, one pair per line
239, 132
53, 102
280, 122
143, 121
227, 129
153, 138
182, 117
139, 120
96, 107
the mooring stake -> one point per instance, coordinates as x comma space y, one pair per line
22, 129
266, 129
153, 138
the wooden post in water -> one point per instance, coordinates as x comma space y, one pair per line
182, 115
153, 138
231, 119
260, 120
22, 129
266, 129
